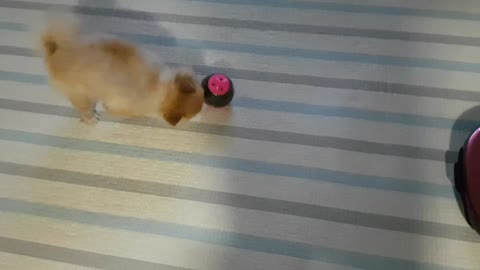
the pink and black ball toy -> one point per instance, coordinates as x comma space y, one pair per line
218, 90
467, 179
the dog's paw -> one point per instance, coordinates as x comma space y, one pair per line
90, 119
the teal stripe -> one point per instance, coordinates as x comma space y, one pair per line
306, 53
217, 237
23, 77
276, 169
309, 109
13, 26
354, 113
353, 8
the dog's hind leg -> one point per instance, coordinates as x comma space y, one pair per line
86, 107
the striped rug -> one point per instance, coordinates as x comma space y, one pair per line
336, 152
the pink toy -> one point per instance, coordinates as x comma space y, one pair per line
218, 90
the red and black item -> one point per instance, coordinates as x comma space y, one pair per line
218, 89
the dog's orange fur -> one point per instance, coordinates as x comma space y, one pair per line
116, 74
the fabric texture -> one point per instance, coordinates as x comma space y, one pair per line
336, 152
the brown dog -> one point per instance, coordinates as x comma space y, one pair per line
118, 75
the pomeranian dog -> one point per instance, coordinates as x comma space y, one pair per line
118, 75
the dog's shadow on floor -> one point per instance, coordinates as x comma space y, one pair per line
107, 17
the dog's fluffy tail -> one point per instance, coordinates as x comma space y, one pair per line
59, 32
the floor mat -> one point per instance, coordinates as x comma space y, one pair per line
336, 152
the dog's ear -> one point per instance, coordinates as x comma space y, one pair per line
183, 101
184, 83
173, 117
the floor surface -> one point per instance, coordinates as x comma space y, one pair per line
335, 154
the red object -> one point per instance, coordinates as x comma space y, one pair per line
467, 179
218, 90
219, 84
